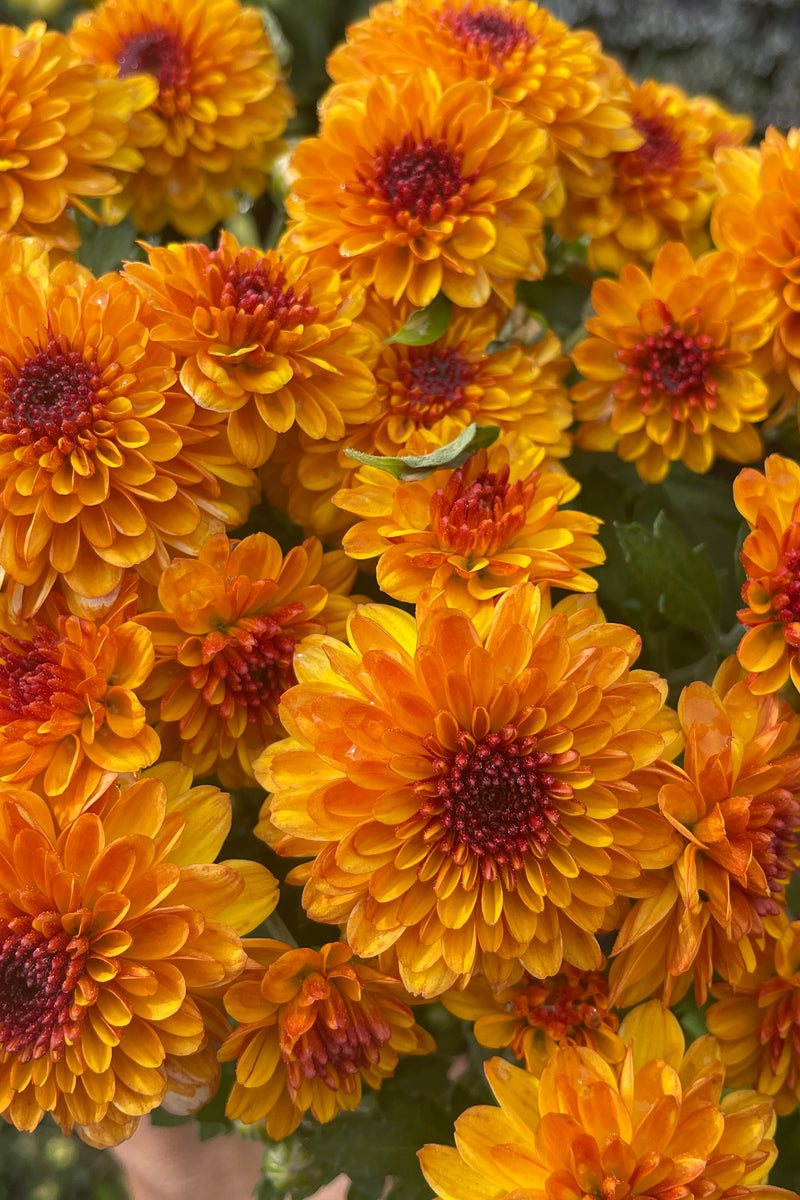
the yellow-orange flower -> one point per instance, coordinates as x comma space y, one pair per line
105, 462
660, 192
533, 1017
669, 371
556, 76
472, 532
65, 124
265, 341
757, 1024
315, 1026
770, 503
656, 1125
735, 806
70, 719
224, 643
427, 396
756, 218
469, 795
213, 127
111, 935
415, 188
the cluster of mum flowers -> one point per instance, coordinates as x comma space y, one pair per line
492, 806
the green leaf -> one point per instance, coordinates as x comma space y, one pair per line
419, 466
679, 577
425, 325
105, 247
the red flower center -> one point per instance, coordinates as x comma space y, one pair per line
781, 1024
157, 52
786, 589
489, 31
344, 1040
39, 969
659, 154
432, 382
419, 180
265, 292
773, 833
497, 800
483, 516
31, 677
52, 400
255, 665
569, 1006
674, 366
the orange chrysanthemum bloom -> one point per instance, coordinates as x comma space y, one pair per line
660, 192
263, 341
535, 1016
213, 128
669, 364
65, 125
556, 76
315, 1026
770, 503
70, 718
111, 934
756, 217
472, 532
224, 643
428, 395
416, 188
736, 808
469, 795
104, 461
656, 1125
757, 1024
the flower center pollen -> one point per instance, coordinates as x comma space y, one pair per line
53, 400
431, 383
674, 367
483, 516
420, 180
489, 31
344, 1040
31, 676
40, 965
659, 154
157, 52
786, 596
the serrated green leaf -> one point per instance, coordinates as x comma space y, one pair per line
680, 577
419, 466
425, 325
105, 247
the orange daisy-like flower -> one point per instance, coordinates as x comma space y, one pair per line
656, 1125
264, 341
415, 188
225, 640
757, 1024
472, 532
669, 364
65, 124
756, 217
70, 719
104, 462
556, 76
315, 1026
213, 128
770, 503
533, 1017
736, 809
428, 395
660, 192
111, 934
469, 795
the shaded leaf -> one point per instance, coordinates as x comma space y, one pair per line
425, 325
418, 466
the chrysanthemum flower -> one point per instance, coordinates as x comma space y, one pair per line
735, 806
70, 719
657, 1125
533, 1017
428, 395
264, 341
770, 503
213, 128
472, 532
756, 217
224, 643
65, 125
757, 1024
669, 364
315, 1026
104, 461
660, 192
556, 76
469, 796
417, 188
111, 934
